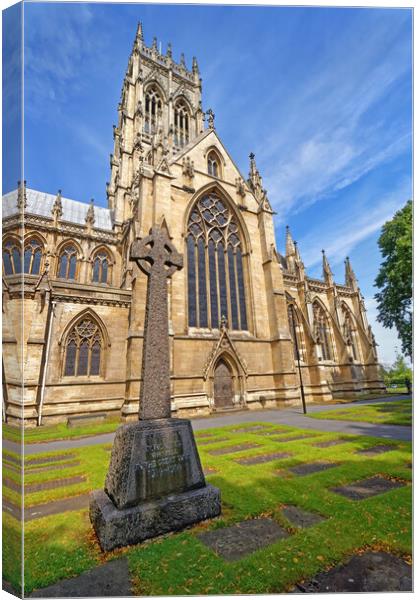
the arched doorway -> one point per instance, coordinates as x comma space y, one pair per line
223, 386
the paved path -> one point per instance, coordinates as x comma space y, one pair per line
289, 416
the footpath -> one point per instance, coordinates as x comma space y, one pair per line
292, 416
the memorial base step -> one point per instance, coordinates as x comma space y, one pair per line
121, 527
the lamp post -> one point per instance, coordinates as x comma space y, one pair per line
303, 399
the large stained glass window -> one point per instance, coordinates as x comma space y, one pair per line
216, 286
83, 349
67, 262
12, 257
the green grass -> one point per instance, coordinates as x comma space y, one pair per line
61, 431
63, 545
397, 412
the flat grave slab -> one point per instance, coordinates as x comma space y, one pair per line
330, 443
202, 434
212, 441
13, 459
372, 486
308, 468
110, 579
66, 465
299, 517
262, 458
375, 450
239, 540
49, 459
368, 572
291, 438
276, 431
46, 485
250, 429
231, 449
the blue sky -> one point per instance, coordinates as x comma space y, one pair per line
322, 96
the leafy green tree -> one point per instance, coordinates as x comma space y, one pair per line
397, 373
394, 300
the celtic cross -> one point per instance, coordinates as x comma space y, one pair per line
158, 259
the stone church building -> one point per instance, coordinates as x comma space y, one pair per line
247, 324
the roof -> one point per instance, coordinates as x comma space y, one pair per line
40, 203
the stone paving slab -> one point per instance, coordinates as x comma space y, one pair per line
239, 540
213, 441
372, 486
308, 468
49, 459
262, 458
45, 485
330, 443
231, 449
368, 572
299, 517
376, 450
109, 580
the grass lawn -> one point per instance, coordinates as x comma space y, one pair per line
396, 412
64, 545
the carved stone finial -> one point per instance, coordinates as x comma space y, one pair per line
139, 35
21, 195
169, 50
182, 61
240, 187
154, 44
195, 68
90, 215
57, 208
223, 323
157, 257
211, 117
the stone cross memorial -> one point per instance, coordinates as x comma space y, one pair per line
155, 483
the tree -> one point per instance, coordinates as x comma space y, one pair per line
397, 373
394, 300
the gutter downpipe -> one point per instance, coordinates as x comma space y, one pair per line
44, 374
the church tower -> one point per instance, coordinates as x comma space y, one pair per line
160, 112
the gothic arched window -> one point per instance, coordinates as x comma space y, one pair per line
181, 124
12, 257
213, 165
67, 262
83, 350
215, 266
322, 331
153, 107
296, 332
101, 268
32, 257
349, 332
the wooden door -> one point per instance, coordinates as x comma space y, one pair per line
223, 386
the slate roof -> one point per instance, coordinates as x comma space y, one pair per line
40, 203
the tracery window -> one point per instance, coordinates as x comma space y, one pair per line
12, 257
153, 107
83, 352
296, 334
181, 124
32, 257
349, 332
215, 266
213, 165
323, 335
67, 262
101, 268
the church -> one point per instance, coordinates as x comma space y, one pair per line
248, 327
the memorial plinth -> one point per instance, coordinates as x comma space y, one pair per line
155, 483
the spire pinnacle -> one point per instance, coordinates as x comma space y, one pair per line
182, 60
195, 68
350, 279
289, 243
327, 271
169, 50
90, 215
139, 34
